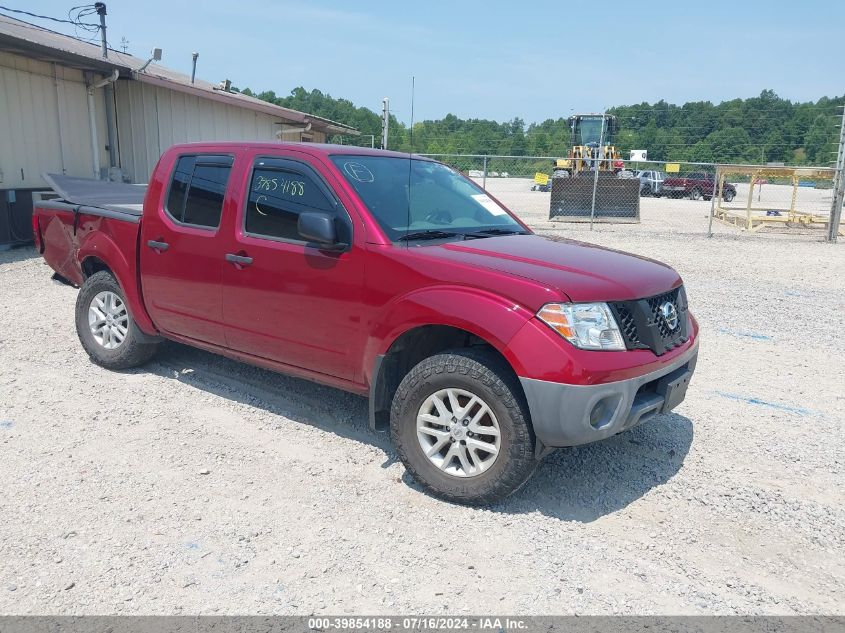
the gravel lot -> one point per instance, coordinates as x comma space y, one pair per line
734, 504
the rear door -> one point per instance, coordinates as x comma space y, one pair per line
284, 299
182, 247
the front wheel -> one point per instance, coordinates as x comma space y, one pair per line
106, 329
728, 196
461, 427
695, 194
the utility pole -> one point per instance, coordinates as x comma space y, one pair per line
838, 186
385, 121
101, 11
108, 91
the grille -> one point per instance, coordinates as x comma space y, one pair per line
654, 304
626, 323
643, 326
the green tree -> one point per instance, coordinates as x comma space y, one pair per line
820, 141
762, 128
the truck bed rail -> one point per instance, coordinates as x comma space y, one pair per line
127, 215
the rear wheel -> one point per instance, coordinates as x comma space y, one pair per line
106, 329
461, 427
695, 194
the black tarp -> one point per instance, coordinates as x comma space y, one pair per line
115, 196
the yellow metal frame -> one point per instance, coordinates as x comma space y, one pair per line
743, 217
576, 162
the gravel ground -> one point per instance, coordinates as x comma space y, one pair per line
199, 485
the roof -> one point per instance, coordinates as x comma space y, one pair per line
23, 38
315, 149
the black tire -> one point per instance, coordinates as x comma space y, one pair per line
486, 376
728, 195
695, 194
135, 349
646, 191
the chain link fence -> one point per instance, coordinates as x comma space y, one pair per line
681, 197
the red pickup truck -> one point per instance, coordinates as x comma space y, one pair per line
482, 345
696, 186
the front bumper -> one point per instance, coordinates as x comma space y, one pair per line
568, 415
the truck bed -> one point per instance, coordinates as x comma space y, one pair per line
90, 219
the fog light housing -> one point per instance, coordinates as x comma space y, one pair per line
597, 414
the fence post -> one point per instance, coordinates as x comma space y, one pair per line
717, 191
838, 186
597, 167
836, 209
484, 177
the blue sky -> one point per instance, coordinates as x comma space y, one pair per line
491, 59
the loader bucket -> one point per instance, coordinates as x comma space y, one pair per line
617, 199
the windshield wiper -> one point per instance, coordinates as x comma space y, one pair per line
430, 234
493, 232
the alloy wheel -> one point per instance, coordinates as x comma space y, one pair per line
108, 319
458, 432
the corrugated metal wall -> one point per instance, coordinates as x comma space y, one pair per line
151, 118
45, 128
44, 124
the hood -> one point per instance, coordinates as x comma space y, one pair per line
581, 271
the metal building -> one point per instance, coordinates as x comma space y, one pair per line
66, 109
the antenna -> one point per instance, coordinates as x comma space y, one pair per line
412, 111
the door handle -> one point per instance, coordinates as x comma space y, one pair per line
158, 246
238, 260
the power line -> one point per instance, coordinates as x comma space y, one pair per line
47, 17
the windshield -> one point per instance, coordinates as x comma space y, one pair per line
589, 130
408, 195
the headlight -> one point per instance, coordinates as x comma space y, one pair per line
585, 325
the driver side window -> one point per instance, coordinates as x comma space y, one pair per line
276, 199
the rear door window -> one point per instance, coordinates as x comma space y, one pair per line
197, 190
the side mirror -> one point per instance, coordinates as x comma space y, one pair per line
319, 228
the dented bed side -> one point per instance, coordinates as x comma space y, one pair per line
78, 240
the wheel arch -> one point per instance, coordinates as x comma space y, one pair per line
102, 254
92, 264
412, 347
431, 320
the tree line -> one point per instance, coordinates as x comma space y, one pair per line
766, 128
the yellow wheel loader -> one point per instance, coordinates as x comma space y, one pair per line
594, 170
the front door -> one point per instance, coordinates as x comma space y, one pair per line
284, 299
182, 248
